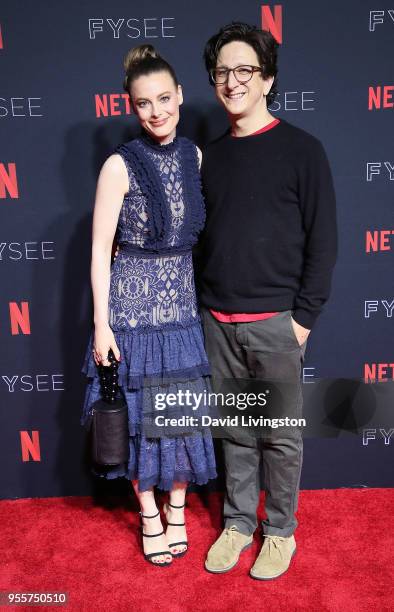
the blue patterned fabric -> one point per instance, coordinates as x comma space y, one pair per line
153, 310
164, 206
151, 292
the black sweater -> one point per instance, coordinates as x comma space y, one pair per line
270, 239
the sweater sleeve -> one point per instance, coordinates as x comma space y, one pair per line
318, 209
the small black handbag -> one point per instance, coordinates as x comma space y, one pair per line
110, 431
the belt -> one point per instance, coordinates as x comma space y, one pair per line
127, 247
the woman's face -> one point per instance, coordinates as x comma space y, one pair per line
156, 100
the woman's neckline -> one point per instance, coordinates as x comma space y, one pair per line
153, 144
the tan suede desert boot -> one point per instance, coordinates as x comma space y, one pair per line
224, 553
274, 558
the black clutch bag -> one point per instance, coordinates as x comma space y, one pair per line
110, 431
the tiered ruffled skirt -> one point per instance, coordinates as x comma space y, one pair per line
167, 359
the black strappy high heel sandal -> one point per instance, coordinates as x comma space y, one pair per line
148, 556
181, 554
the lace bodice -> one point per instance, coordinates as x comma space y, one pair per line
152, 281
164, 207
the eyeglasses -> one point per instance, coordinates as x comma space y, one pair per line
243, 74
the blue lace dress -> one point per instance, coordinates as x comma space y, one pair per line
153, 312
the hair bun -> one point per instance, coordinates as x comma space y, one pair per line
137, 55
144, 60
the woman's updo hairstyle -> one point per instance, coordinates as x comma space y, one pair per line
142, 61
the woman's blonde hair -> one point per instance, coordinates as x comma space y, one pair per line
142, 61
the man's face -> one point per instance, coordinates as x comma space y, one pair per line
241, 99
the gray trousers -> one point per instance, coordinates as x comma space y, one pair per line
267, 350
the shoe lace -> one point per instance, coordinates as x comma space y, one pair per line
229, 533
274, 542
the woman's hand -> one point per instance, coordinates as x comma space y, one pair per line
104, 340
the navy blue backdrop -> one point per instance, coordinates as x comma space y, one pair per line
62, 110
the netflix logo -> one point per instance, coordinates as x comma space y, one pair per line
272, 21
30, 446
8, 181
112, 105
19, 318
378, 372
379, 241
380, 97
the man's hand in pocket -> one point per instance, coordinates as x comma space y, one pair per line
301, 333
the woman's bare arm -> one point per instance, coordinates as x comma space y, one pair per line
111, 187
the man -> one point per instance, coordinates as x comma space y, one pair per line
266, 263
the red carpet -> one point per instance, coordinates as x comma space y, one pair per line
344, 560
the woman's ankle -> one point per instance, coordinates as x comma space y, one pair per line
177, 495
149, 512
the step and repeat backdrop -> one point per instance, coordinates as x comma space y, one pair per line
63, 110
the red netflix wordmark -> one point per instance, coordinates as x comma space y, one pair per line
378, 240
19, 318
380, 97
378, 372
112, 105
8, 181
30, 446
272, 22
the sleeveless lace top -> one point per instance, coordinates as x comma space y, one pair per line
152, 281
164, 208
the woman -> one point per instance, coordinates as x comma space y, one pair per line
145, 306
